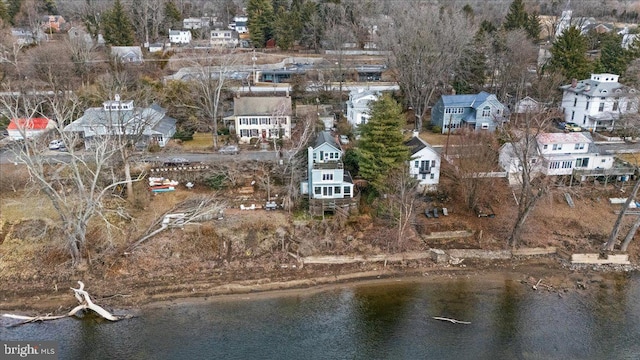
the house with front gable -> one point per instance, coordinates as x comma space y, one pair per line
261, 117
358, 106
560, 154
121, 118
329, 186
127, 54
179, 36
480, 111
598, 102
425, 163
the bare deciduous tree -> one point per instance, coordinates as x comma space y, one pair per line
400, 204
426, 43
211, 74
76, 186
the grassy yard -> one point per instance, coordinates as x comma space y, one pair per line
201, 141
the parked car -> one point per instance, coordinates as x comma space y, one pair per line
56, 144
344, 140
573, 127
229, 150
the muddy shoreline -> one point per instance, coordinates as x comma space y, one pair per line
51, 295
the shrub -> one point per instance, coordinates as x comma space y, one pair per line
184, 135
436, 129
216, 182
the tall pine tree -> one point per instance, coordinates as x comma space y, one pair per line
260, 13
517, 16
381, 150
568, 55
117, 27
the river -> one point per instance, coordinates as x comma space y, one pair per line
374, 320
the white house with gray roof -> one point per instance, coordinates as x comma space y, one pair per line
597, 103
480, 111
127, 54
120, 117
179, 36
425, 163
358, 106
264, 117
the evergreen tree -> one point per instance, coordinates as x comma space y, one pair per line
517, 17
118, 30
533, 27
470, 75
568, 54
13, 9
311, 25
285, 27
381, 150
260, 14
613, 58
4, 13
172, 16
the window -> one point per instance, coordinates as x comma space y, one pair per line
567, 164
254, 121
601, 107
244, 121
484, 126
554, 165
582, 162
615, 105
416, 163
424, 176
317, 190
327, 176
486, 111
433, 163
545, 147
579, 147
336, 189
346, 190
557, 146
433, 176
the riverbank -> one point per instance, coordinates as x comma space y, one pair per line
126, 294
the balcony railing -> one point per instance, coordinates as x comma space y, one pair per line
328, 165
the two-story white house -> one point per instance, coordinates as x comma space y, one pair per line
179, 36
425, 164
597, 103
224, 37
328, 185
265, 118
358, 106
557, 154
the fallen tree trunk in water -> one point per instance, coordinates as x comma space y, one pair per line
452, 320
85, 303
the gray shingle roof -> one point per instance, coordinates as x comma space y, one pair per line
271, 105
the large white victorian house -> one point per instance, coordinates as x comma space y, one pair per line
328, 185
261, 117
598, 102
424, 165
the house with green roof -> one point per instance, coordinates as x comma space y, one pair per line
480, 111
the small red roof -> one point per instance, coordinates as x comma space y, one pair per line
28, 124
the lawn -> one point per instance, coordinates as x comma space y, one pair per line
201, 141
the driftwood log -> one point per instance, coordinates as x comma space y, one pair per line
85, 303
454, 321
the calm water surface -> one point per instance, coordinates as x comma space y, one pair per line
372, 321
